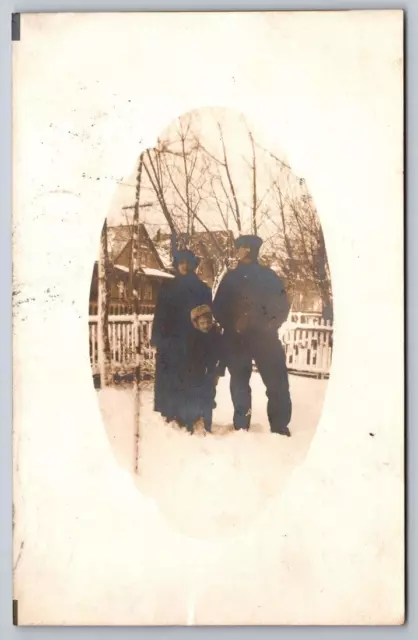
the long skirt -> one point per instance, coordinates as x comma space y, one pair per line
165, 387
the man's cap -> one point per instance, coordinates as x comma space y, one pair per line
198, 312
249, 242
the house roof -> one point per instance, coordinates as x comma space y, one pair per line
156, 273
119, 236
163, 248
147, 271
117, 239
122, 267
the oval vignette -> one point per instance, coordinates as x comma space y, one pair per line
212, 177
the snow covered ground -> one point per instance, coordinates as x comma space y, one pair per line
233, 528
215, 485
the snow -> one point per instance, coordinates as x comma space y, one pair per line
164, 251
233, 474
148, 271
156, 272
122, 267
234, 528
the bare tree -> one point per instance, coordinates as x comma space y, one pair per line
255, 204
186, 171
309, 245
103, 311
223, 189
188, 179
153, 169
180, 168
259, 205
134, 263
296, 243
236, 208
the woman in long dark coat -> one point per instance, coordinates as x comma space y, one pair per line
170, 334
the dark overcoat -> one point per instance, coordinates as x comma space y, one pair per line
252, 295
205, 362
251, 304
171, 331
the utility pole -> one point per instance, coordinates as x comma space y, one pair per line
103, 311
133, 271
134, 263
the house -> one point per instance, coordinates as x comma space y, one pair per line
212, 247
146, 282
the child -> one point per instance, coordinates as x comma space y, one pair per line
205, 365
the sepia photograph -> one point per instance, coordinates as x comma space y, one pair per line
210, 313
208, 372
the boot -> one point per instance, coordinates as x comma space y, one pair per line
283, 431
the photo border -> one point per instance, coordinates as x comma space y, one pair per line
411, 320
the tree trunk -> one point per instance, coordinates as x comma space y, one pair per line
231, 184
103, 312
322, 269
254, 179
134, 265
158, 189
187, 191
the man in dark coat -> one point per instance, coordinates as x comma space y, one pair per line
250, 305
170, 333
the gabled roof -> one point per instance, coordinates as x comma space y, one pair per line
117, 239
119, 236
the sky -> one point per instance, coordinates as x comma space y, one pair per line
235, 128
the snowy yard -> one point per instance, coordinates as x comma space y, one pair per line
215, 485
234, 528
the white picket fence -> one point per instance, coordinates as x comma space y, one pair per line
125, 332
308, 346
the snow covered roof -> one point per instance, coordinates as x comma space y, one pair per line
157, 273
117, 238
148, 271
164, 251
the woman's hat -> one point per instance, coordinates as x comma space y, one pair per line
249, 242
186, 256
198, 312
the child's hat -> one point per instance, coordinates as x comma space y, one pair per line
198, 312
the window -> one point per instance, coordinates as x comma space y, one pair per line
147, 291
121, 289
